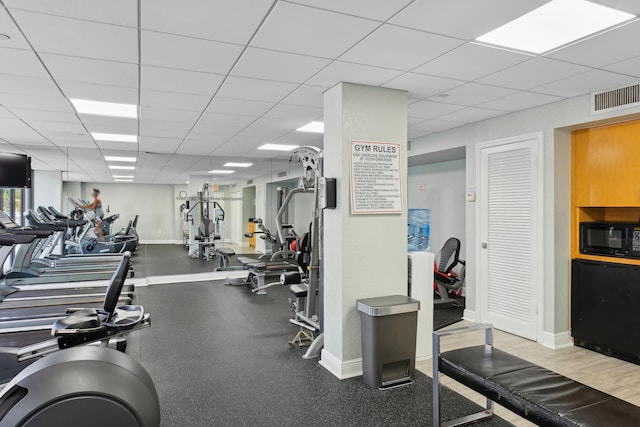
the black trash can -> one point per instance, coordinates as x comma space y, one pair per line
389, 326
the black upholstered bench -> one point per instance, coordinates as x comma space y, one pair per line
531, 391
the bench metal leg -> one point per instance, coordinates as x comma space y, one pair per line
488, 412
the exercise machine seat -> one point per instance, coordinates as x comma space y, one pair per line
533, 392
225, 252
446, 260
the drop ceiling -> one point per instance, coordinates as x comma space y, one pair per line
214, 80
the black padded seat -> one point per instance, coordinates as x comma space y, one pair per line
245, 260
533, 392
225, 251
299, 291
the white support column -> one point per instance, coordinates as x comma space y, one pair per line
47, 189
364, 255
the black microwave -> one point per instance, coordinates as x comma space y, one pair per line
617, 239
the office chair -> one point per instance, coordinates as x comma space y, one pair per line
449, 272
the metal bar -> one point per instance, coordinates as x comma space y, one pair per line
462, 330
435, 357
468, 419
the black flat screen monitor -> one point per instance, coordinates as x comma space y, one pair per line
15, 171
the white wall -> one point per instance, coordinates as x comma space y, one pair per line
47, 189
444, 194
554, 120
155, 203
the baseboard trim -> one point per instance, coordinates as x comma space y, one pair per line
469, 315
161, 242
557, 341
342, 370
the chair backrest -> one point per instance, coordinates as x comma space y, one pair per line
206, 227
116, 283
448, 256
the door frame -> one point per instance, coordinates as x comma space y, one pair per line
481, 288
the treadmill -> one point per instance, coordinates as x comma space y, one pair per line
24, 273
14, 298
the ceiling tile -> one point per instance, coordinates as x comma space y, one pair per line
431, 126
630, 67
399, 48
159, 145
180, 101
40, 103
472, 94
171, 114
478, 18
72, 140
380, 10
227, 119
310, 96
117, 12
612, 46
172, 80
86, 70
631, 6
422, 86
124, 95
340, 71
232, 21
220, 131
471, 114
533, 73
233, 106
52, 34
50, 116
470, 62
431, 110
23, 63
591, 81
103, 124
520, 101
15, 131
28, 86
186, 53
17, 40
254, 89
295, 112
310, 31
164, 128
280, 66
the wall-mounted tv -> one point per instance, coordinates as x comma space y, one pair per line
15, 171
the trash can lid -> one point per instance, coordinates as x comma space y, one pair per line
388, 305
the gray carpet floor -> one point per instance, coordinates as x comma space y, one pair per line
219, 357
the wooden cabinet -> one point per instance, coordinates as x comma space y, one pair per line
606, 165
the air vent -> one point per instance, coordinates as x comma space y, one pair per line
409, 144
233, 185
616, 99
249, 182
282, 174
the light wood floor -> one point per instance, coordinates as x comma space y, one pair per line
613, 376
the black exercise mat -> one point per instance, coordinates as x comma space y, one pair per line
219, 357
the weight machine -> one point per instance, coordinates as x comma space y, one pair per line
209, 230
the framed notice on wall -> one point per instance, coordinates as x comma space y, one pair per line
376, 178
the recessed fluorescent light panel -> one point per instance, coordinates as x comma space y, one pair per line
221, 171
123, 176
122, 180
555, 24
110, 109
120, 159
278, 147
237, 165
122, 168
314, 127
116, 137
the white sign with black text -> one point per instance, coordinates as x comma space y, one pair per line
376, 178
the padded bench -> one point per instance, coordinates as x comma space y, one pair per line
531, 391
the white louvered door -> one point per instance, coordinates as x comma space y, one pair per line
510, 181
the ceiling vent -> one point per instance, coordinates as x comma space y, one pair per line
249, 182
282, 174
616, 99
